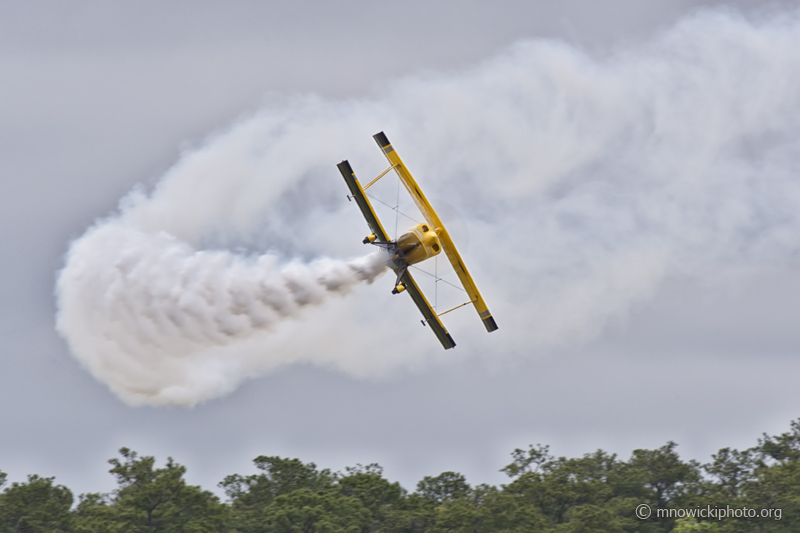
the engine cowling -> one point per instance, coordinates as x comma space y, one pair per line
419, 244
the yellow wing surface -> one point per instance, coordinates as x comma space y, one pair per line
433, 219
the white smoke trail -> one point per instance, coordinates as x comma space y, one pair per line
141, 304
588, 182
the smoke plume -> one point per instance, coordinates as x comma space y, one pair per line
153, 302
586, 181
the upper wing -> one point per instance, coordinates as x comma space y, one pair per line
433, 219
427, 311
363, 202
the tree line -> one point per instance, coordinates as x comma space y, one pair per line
594, 493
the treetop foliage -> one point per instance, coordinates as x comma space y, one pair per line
597, 492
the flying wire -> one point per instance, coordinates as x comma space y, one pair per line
438, 278
395, 209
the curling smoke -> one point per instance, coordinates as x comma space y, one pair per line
589, 181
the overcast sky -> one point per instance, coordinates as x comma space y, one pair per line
96, 98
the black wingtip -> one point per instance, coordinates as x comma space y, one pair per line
345, 168
381, 139
452, 342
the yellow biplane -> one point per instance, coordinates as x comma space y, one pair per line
421, 242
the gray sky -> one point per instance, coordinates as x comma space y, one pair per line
98, 97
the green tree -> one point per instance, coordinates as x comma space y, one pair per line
776, 480
581, 491
660, 479
153, 499
411, 514
730, 470
662, 474
251, 496
278, 476
528, 461
95, 513
305, 511
690, 525
487, 509
445, 487
380, 496
589, 518
784, 448
35, 506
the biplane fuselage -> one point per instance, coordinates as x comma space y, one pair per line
423, 241
414, 246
